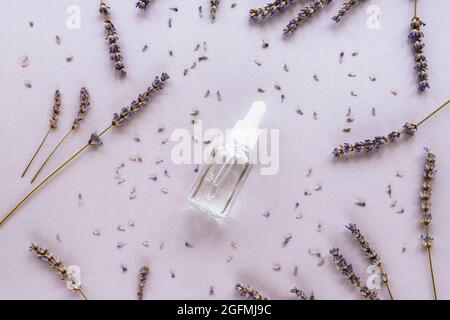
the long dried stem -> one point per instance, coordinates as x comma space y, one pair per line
51, 154
81, 293
37, 151
430, 262
76, 154
433, 113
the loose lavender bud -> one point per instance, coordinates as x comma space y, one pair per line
142, 4
84, 105
128, 112
214, 5
56, 110
421, 66
112, 39
304, 14
270, 9
248, 292
343, 11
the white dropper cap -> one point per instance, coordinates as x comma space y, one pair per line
246, 130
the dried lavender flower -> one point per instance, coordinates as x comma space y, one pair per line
53, 124
371, 254
345, 8
56, 264
95, 140
248, 292
119, 119
84, 105
300, 294
347, 271
142, 4
270, 9
304, 14
425, 195
213, 6
421, 67
56, 110
112, 39
376, 143
143, 274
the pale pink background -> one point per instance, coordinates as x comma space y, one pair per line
233, 45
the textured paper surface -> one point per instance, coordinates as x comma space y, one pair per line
233, 44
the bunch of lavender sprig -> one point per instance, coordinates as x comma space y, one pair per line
56, 264
304, 14
53, 124
380, 141
416, 36
84, 106
248, 292
142, 4
344, 10
300, 294
347, 271
371, 254
270, 9
143, 274
213, 6
118, 120
425, 195
113, 40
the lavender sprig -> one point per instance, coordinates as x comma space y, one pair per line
371, 254
56, 264
143, 274
271, 9
347, 271
112, 39
300, 294
53, 124
142, 101
213, 6
304, 14
142, 4
127, 113
421, 67
344, 10
248, 292
375, 144
425, 195
56, 110
380, 141
84, 105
